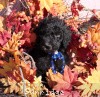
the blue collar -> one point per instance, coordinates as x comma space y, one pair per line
57, 55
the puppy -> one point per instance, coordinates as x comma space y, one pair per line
53, 36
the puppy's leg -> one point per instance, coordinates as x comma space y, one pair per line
42, 64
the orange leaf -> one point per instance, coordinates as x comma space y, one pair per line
7, 67
53, 79
28, 72
3, 3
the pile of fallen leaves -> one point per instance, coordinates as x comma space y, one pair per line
81, 77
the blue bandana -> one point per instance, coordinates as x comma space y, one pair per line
54, 57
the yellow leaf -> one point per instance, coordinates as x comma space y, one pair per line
32, 89
12, 46
1, 23
13, 85
1, 6
93, 38
46, 4
91, 84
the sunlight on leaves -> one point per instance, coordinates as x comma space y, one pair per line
91, 84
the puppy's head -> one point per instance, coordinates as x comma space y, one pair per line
51, 33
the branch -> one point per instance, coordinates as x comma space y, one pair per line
33, 63
24, 84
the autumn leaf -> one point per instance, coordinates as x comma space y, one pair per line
76, 7
14, 42
84, 54
71, 76
46, 4
28, 72
4, 37
33, 89
81, 68
58, 8
53, 78
92, 38
12, 46
11, 85
3, 3
91, 84
7, 67
10, 69
63, 82
1, 6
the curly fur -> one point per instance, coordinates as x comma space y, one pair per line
52, 34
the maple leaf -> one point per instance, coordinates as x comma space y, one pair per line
61, 82
58, 8
11, 69
53, 78
14, 42
11, 85
81, 68
46, 4
92, 38
4, 37
91, 84
76, 7
28, 72
71, 76
33, 89
3, 3
12, 46
7, 67
81, 54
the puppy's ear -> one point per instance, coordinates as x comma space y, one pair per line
66, 37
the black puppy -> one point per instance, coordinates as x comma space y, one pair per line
53, 37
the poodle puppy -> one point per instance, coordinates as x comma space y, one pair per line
53, 36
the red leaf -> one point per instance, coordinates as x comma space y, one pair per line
80, 7
76, 7
84, 54
69, 76
4, 37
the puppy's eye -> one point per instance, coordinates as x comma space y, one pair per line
52, 34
